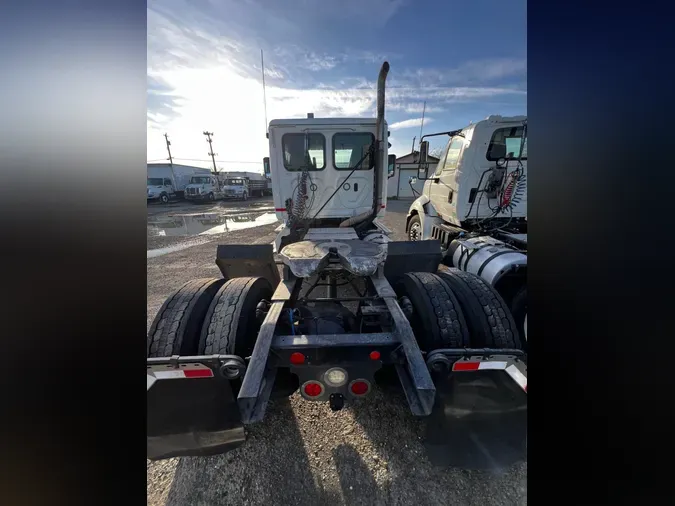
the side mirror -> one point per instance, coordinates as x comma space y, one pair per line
266, 166
424, 152
391, 164
424, 159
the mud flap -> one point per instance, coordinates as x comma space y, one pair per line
479, 421
190, 413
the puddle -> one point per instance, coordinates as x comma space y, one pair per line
207, 223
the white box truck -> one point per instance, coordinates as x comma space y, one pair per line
167, 181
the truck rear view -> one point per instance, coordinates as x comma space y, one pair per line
339, 310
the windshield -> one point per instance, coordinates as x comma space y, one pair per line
200, 180
155, 181
234, 182
507, 141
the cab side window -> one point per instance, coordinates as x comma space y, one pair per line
453, 154
439, 166
167, 182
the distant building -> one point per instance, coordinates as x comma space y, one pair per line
406, 166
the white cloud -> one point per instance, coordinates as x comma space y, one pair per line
207, 76
410, 123
476, 71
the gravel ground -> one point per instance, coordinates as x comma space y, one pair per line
303, 453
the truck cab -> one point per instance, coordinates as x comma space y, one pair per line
235, 188
474, 165
161, 189
329, 149
203, 188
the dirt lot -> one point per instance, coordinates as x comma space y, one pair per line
302, 453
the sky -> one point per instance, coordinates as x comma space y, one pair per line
467, 60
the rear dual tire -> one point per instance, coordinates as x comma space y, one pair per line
177, 325
490, 322
231, 327
457, 309
214, 316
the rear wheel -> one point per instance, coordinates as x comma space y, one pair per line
437, 318
488, 318
164, 198
175, 330
231, 326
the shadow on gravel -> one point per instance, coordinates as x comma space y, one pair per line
356, 481
270, 468
415, 476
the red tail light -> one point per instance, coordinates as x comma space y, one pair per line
359, 387
297, 358
313, 388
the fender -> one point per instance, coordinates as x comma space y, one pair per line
423, 207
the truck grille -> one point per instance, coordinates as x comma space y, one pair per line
191, 191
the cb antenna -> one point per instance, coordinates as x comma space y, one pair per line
262, 68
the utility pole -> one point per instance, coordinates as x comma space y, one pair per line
168, 144
173, 174
211, 153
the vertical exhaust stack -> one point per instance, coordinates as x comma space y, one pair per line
365, 219
379, 146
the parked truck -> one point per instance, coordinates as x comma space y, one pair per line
341, 309
475, 204
167, 181
225, 185
252, 184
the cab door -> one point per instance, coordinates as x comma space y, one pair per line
443, 188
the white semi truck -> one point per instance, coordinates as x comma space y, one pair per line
226, 185
254, 183
475, 204
341, 308
167, 181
